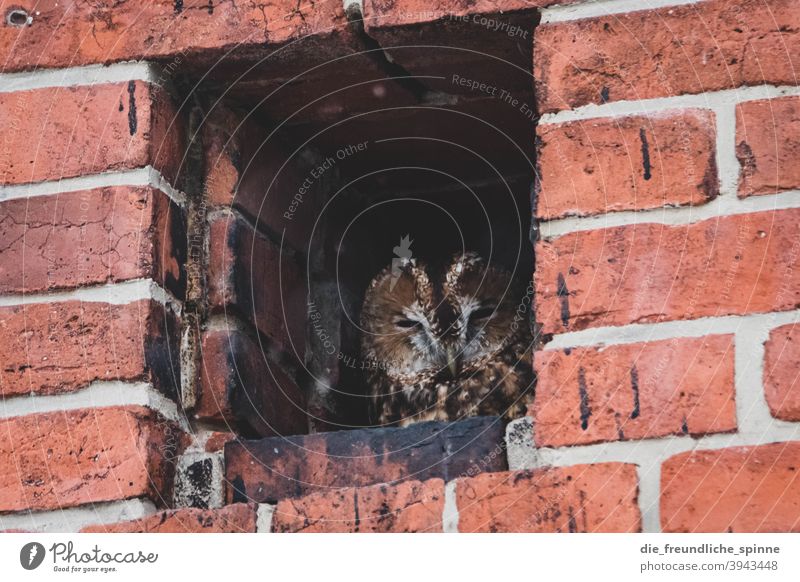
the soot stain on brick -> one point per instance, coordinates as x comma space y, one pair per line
604, 95
710, 183
211, 6
620, 432
584, 518
178, 6
563, 295
239, 491
355, 509
635, 388
384, 512
586, 410
573, 525
159, 354
645, 154
132, 123
685, 426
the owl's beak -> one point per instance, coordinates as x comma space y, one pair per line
452, 361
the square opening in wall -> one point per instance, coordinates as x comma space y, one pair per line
369, 233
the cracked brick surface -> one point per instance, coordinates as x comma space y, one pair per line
90, 237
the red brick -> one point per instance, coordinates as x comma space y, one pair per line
64, 132
782, 372
271, 469
91, 237
282, 55
742, 489
100, 454
635, 391
238, 385
768, 145
61, 347
581, 498
674, 50
238, 518
260, 175
249, 275
650, 272
627, 163
413, 506
64, 34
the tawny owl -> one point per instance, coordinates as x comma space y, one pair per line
448, 342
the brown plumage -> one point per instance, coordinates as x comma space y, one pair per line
448, 342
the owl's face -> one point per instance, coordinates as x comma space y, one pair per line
419, 320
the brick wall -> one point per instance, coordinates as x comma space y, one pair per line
93, 230
667, 256
133, 235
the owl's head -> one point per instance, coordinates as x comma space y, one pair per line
427, 319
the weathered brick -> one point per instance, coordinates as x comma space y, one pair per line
63, 459
87, 130
782, 372
412, 506
386, 13
581, 498
91, 237
651, 272
61, 347
238, 385
627, 163
238, 518
768, 145
275, 468
634, 391
742, 489
674, 50
249, 275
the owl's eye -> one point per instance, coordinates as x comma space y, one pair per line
482, 313
406, 323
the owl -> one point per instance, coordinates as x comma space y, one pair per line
443, 342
